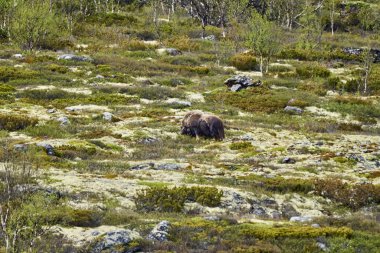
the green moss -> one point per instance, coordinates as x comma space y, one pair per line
263, 232
12, 122
164, 199
240, 145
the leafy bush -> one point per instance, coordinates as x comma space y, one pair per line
312, 70
183, 43
16, 122
354, 197
244, 62
164, 199
11, 73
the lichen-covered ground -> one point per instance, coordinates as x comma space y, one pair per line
279, 182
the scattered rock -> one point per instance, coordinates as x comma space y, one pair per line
301, 219
169, 51
145, 166
293, 110
315, 225
239, 82
99, 77
107, 116
178, 102
288, 160
148, 140
160, 232
289, 211
73, 57
168, 166
377, 164
322, 246
276, 215
210, 38
115, 238
258, 211
18, 56
48, 148
51, 111
358, 51
20, 147
212, 218
63, 120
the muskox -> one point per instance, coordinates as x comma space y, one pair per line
198, 124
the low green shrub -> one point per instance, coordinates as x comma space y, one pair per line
352, 196
306, 71
164, 199
13, 122
45, 94
11, 73
240, 145
244, 62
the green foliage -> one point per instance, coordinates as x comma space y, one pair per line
45, 94
263, 232
244, 62
354, 197
240, 145
164, 199
312, 70
12, 73
13, 122
152, 93
36, 26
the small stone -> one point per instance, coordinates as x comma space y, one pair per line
315, 225
168, 166
169, 51
236, 87
107, 116
178, 102
301, 219
63, 120
210, 38
115, 238
212, 218
322, 246
288, 160
48, 148
99, 77
145, 166
73, 57
51, 111
293, 110
377, 164
160, 232
21, 147
18, 56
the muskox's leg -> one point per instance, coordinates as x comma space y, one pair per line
204, 129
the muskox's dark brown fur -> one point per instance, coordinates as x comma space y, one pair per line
198, 124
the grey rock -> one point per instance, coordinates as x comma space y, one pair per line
293, 110
160, 232
270, 203
178, 102
258, 211
99, 77
289, 211
21, 147
168, 166
169, 51
144, 166
356, 157
276, 215
315, 225
51, 111
73, 57
377, 164
246, 137
114, 238
359, 51
48, 148
148, 140
18, 56
107, 116
301, 219
239, 82
210, 38
63, 120
288, 160
236, 87
322, 246
212, 218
